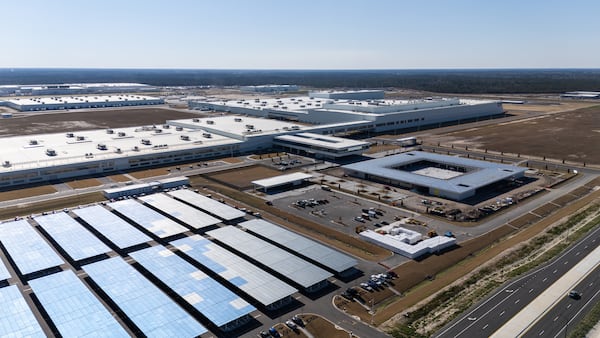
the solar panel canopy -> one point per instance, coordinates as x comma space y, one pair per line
214, 301
4, 274
183, 212
152, 311
149, 219
111, 226
73, 308
78, 242
216, 208
27, 248
318, 252
281, 261
16, 319
257, 283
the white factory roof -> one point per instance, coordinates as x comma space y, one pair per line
328, 142
281, 180
240, 125
399, 246
316, 251
59, 100
28, 152
299, 103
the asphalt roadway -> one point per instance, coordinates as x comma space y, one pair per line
568, 311
487, 316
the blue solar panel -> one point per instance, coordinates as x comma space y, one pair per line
16, 319
76, 240
73, 308
148, 218
4, 274
255, 282
144, 303
113, 227
213, 300
27, 248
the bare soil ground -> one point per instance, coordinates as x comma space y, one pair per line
232, 160
53, 204
321, 328
149, 173
381, 147
119, 178
242, 178
63, 121
572, 136
26, 192
524, 220
85, 183
547, 108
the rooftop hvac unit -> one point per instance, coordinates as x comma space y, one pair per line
6, 164
101, 146
207, 135
237, 119
50, 152
179, 128
210, 122
70, 135
121, 134
80, 138
184, 137
195, 120
33, 142
110, 131
146, 142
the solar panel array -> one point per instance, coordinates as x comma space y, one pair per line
78, 242
213, 300
154, 313
151, 220
111, 226
74, 310
183, 212
16, 319
29, 251
281, 261
318, 252
216, 208
255, 282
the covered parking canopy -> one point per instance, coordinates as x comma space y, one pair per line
293, 178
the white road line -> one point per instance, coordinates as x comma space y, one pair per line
555, 318
568, 306
541, 333
485, 326
545, 279
530, 290
554, 270
537, 308
577, 254
517, 301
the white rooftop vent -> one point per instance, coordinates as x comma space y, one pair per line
70, 135
110, 131
33, 142
184, 137
121, 134
210, 122
179, 128
50, 152
146, 142
101, 146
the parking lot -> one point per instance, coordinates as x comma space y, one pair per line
338, 210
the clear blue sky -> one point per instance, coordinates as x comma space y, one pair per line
289, 34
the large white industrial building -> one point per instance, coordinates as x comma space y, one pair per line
375, 114
80, 102
75, 88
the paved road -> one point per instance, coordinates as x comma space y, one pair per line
568, 312
490, 314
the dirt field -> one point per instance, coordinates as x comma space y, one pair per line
86, 183
321, 328
119, 178
232, 160
26, 192
53, 204
547, 108
149, 173
37, 123
242, 178
572, 136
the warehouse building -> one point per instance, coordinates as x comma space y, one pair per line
450, 177
272, 88
75, 88
377, 115
80, 102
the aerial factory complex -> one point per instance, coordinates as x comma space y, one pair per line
249, 212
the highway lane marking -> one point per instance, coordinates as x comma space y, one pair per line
541, 333
592, 283
566, 262
554, 270
568, 306
517, 301
501, 313
555, 318
485, 326
577, 254
518, 280
545, 279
